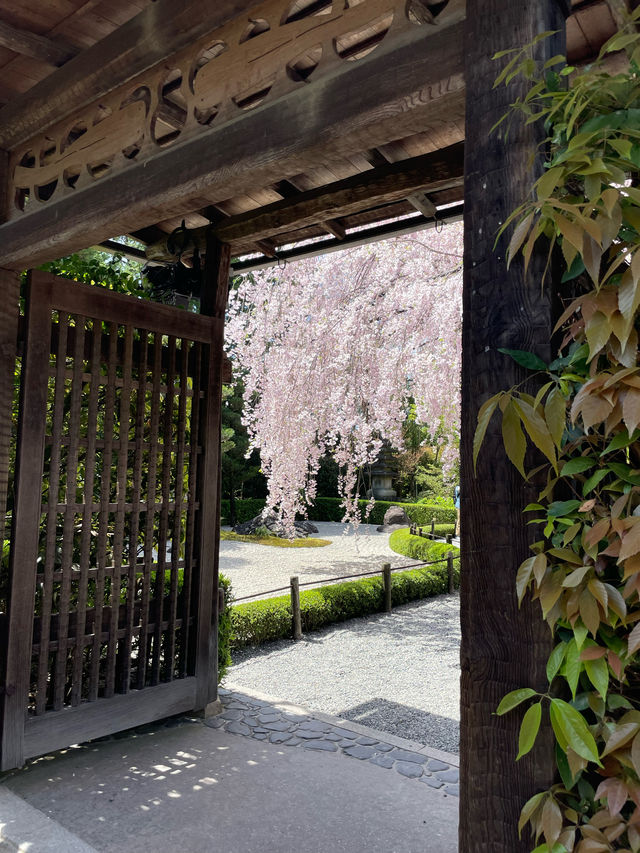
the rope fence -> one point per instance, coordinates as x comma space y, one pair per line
327, 581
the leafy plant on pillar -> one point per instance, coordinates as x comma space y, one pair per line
585, 571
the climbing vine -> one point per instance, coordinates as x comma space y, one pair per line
584, 419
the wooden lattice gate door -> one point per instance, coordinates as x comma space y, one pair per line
113, 603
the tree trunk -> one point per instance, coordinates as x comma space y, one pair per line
502, 647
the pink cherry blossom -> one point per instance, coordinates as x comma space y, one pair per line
331, 348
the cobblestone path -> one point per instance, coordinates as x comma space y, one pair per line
288, 725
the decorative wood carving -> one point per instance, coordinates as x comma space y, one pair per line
279, 46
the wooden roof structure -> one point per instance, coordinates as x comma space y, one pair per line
104, 97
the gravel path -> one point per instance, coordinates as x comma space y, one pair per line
398, 673
255, 568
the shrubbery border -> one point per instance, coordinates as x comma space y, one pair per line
269, 619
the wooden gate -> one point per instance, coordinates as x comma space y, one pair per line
113, 606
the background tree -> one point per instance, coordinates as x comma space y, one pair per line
332, 349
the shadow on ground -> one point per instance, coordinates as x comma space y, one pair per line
405, 721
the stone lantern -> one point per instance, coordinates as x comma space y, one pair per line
382, 474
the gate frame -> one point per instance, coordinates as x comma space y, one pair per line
23, 737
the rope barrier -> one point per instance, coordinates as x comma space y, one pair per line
328, 581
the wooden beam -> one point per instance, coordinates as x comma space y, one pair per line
212, 304
122, 249
288, 189
163, 28
372, 234
503, 647
393, 182
334, 228
37, 47
418, 83
423, 204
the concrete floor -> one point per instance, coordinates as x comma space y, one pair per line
194, 789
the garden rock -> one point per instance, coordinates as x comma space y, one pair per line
394, 517
271, 523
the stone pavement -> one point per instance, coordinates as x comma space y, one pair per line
263, 718
196, 787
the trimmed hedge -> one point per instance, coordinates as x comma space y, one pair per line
225, 628
419, 548
270, 618
246, 509
329, 509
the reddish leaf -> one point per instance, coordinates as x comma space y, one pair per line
630, 541
634, 640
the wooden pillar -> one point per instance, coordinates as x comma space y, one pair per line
9, 317
502, 647
213, 303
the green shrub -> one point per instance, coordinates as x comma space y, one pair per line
270, 618
329, 509
246, 509
441, 530
225, 628
419, 548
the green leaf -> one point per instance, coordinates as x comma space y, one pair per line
576, 269
621, 440
572, 667
545, 185
580, 633
624, 472
529, 729
525, 359
598, 673
529, 809
570, 727
616, 701
484, 416
590, 484
538, 430
563, 766
555, 414
515, 443
576, 466
559, 508
513, 699
555, 660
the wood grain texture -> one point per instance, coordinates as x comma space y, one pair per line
213, 304
163, 28
92, 720
24, 547
439, 170
502, 647
110, 416
418, 86
53, 52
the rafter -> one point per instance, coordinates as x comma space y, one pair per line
37, 47
388, 184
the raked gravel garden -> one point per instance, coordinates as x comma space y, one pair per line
398, 673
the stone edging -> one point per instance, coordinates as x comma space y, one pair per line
262, 717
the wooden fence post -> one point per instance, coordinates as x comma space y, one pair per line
433, 528
295, 609
452, 586
386, 581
